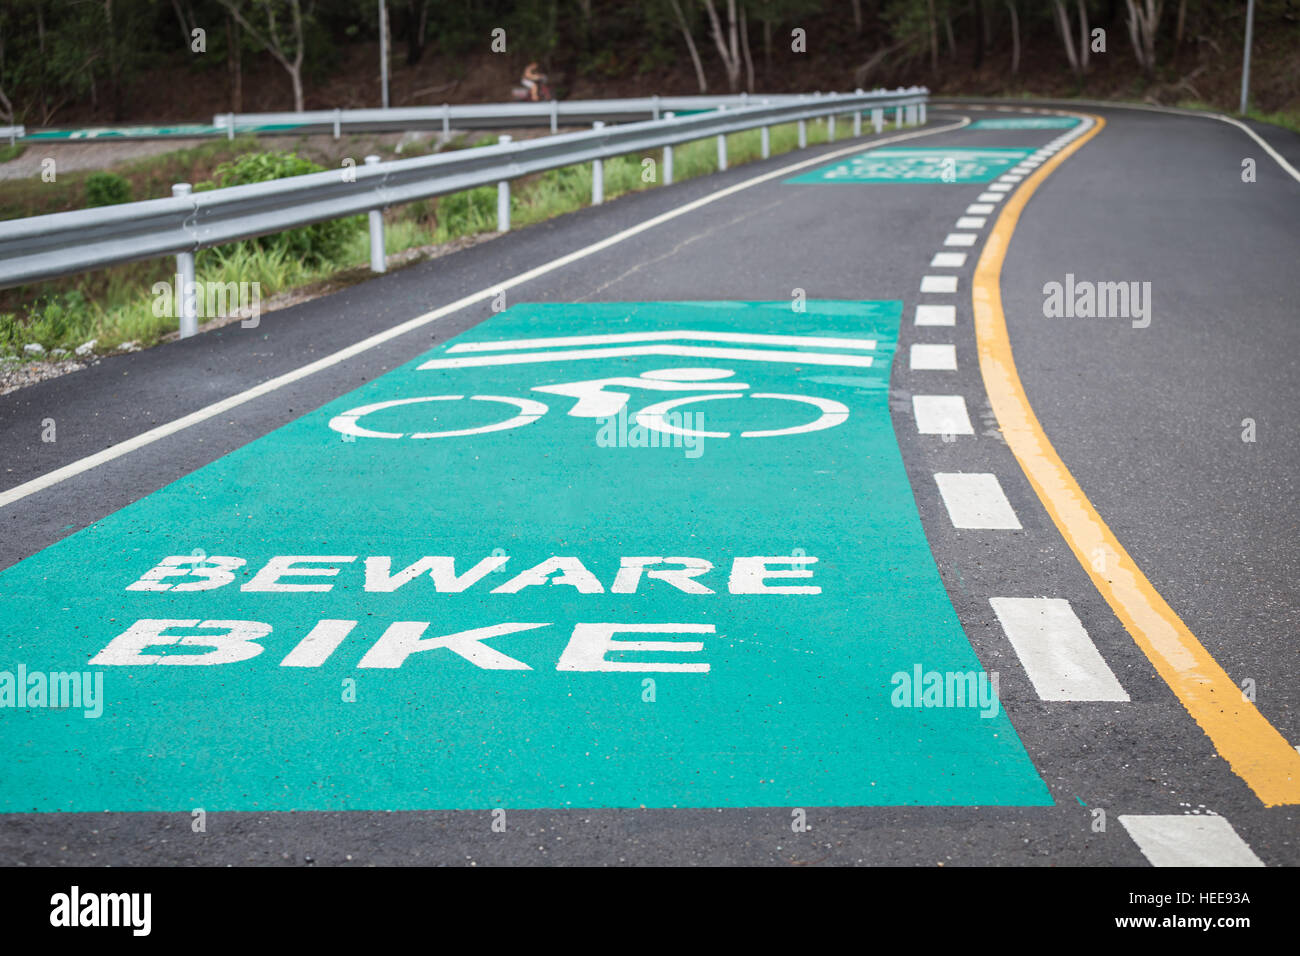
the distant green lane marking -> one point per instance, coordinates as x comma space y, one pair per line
737, 697
918, 164
134, 132
1025, 122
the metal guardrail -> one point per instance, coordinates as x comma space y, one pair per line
553, 113
67, 243
12, 133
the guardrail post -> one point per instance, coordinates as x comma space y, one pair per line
922, 109
338, 122
830, 128
230, 126
668, 156
722, 146
654, 107
857, 116
503, 196
446, 120
803, 133
378, 258
597, 174
187, 289
898, 116
555, 117
877, 118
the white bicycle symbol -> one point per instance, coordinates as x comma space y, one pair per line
606, 398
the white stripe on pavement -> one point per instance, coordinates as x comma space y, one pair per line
979, 208
976, 500
1055, 650
971, 222
1188, 840
933, 358
960, 239
948, 260
936, 315
941, 415
938, 283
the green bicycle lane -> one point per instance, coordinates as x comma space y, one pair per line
544, 603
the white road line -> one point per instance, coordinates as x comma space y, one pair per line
941, 415
976, 501
1057, 654
926, 357
1001, 187
980, 208
972, 222
990, 197
1010, 178
1188, 840
938, 283
936, 315
960, 239
684, 351
619, 338
18, 492
948, 260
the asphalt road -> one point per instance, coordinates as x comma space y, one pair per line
1148, 420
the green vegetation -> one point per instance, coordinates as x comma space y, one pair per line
107, 189
66, 314
10, 151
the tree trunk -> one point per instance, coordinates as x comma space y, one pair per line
934, 37
857, 17
417, 22
690, 45
234, 65
1083, 36
1015, 37
952, 42
981, 34
744, 48
726, 42
1067, 35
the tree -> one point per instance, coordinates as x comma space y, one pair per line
1143, 21
690, 45
1067, 37
1015, 36
288, 52
728, 41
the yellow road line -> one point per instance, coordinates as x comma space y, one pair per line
1252, 746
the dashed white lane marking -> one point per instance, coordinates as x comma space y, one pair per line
990, 197
938, 283
933, 358
976, 501
979, 208
1057, 654
941, 415
948, 260
1010, 178
936, 315
972, 222
1001, 187
960, 239
1191, 840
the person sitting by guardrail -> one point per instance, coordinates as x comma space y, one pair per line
532, 80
